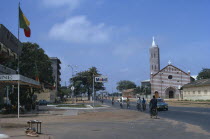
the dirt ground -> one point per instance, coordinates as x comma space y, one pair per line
15, 127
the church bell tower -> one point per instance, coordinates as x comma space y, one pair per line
154, 58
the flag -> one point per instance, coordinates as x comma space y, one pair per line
24, 23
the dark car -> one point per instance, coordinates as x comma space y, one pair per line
42, 102
161, 105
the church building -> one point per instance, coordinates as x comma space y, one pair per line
167, 82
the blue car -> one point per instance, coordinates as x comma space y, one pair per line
161, 105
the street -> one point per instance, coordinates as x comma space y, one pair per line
196, 116
115, 123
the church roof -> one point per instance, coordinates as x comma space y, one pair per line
202, 82
168, 66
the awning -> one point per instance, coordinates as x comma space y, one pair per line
13, 79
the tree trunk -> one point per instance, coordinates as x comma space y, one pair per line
89, 94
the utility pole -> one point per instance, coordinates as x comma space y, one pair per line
93, 92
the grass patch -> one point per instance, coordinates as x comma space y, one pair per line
73, 106
97, 106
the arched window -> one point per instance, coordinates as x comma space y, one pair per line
155, 67
152, 67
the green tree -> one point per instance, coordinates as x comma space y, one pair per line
204, 74
125, 84
83, 82
34, 62
137, 90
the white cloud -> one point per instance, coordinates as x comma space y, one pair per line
79, 29
72, 4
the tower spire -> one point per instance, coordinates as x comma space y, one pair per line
153, 42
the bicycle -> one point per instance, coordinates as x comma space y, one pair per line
121, 105
154, 112
138, 107
112, 103
144, 107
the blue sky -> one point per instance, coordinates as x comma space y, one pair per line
115, 35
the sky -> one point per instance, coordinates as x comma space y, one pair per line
115, 35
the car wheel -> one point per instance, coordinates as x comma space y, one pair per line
166, 109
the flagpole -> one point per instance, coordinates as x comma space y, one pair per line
18, 63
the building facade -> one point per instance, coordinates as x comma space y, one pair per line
167, 82
197, 90
56, 71
10, 48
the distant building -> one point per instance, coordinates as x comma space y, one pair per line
165, 83
197, 90
145, 83
56, 71
128, 93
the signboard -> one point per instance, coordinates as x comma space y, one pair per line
9, 77
17, 77
101, 79
9, 40
72, 88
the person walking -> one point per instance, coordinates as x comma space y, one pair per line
153, 107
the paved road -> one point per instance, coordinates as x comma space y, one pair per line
195, 116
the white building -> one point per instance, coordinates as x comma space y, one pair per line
197, 90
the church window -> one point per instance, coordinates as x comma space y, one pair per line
205, 92
170, 76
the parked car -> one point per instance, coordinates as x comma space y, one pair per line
42, 102
161, 105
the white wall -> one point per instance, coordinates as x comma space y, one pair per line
197, 93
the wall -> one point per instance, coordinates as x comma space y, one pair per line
197, 93
48, 95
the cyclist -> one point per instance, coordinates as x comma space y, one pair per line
121, 102
112, 100
153, 107
144, 104
128, 103
139, 104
